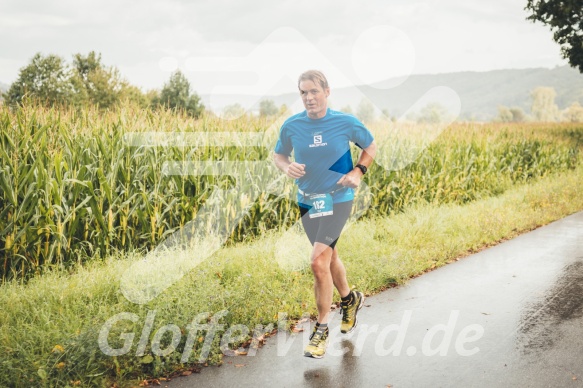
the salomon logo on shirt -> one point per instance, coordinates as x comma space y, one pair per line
318, 142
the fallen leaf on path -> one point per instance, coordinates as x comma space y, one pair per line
297, 329
239, 365
186, 373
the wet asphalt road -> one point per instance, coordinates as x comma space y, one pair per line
509, 316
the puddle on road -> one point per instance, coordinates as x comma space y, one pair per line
539, 326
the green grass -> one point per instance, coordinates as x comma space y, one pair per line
253, 281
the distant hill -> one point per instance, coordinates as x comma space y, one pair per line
480, 92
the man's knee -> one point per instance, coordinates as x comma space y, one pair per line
321, 258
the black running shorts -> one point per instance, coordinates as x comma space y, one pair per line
326, 230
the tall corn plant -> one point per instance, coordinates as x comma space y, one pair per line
72, 189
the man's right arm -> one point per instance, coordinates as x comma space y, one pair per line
291, 169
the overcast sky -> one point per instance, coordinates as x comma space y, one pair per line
258, 47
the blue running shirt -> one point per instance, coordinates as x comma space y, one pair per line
323, 145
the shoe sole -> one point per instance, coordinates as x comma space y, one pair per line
313, 355
355, 315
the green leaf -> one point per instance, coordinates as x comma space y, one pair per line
42, 373
147, 359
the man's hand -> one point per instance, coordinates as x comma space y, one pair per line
291, 169
352, 179
295, 170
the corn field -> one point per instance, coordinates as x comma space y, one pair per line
73, 188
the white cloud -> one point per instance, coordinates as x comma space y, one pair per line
445, 36
26, 20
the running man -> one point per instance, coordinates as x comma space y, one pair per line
320, 139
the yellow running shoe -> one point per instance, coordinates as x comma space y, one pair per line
318, 342
349, 312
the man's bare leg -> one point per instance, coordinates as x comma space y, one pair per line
329, 272
323, 283
339, 274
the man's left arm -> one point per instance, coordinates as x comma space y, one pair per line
352, 179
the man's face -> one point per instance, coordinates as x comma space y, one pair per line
315, 98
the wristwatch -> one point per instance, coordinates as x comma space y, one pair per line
362, 168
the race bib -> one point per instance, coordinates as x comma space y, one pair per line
321, 205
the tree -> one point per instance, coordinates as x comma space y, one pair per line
574, 113
44, 79
49, 80
233, 111
94, 83
386, 115
267, 108
432, 113
512, 115
175, 92
283, 110
518, 115
152, 97
365, 111
134, 94
566, 22
176, 95
504, 114
543, 104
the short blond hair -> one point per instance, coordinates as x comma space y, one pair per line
316, 76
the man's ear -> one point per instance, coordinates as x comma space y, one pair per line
327, 92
